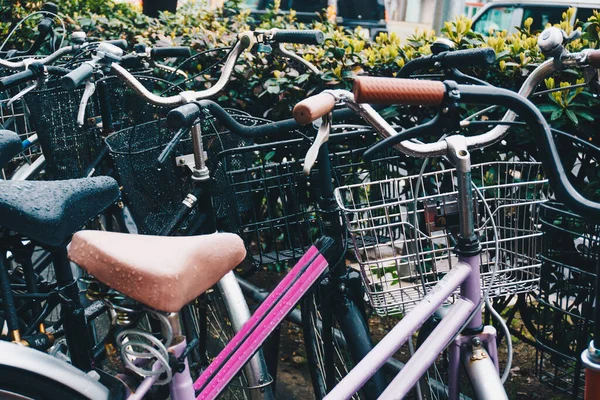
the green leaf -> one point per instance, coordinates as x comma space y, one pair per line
586, 115
269, 155
572, 116
302, 78
548, 107
556, 114
275, 89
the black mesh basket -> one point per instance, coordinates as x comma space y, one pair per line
68, 148
267, 199
154, 194
566, 302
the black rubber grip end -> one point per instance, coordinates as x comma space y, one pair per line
472, 57
299, 36
167, 52
50, 7
183, 116
76, 77
17, 79
120, 43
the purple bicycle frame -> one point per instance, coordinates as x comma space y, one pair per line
464, 275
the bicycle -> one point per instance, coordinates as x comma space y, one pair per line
386, 91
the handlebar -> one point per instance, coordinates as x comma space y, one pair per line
593, 58
313, 108
34, 71
120, 43
398, 91
481, 57
46, 60
246, 41
487, 95
168, 52
141, 52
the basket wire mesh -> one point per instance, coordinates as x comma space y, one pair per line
396, 264
566, 301
272, 204
259, 189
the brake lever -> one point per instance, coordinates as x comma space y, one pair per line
290, 54
90, 88
22, 93
39, 83
322, 137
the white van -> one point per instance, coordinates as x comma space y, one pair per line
508, 15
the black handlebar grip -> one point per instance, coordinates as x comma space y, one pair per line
469, 57
16, 79
299, 36
120, 43
58, 71
76, 77
50, 7
167, 52
45, 25
183, 116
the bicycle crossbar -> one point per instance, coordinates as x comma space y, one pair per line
403, 330
256, 330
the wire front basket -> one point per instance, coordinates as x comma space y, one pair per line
14, 116
271, 203
566, 303
404, 247
154, 192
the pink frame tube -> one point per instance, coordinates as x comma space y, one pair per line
265, 319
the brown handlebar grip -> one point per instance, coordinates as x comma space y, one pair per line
398, 91
592, 382
594, 58
313, 108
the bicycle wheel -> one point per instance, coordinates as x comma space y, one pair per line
208, 319
328, 349
19, 384
434, 383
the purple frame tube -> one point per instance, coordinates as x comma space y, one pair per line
403, 330
471, 287
425, 356
181, 386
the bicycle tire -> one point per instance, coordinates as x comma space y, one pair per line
16, 383
208, 319
315, 345
434, 382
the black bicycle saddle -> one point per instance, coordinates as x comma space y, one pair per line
10, 146
49, 212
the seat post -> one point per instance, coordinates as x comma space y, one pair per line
8, 301
77, 332
62, 266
